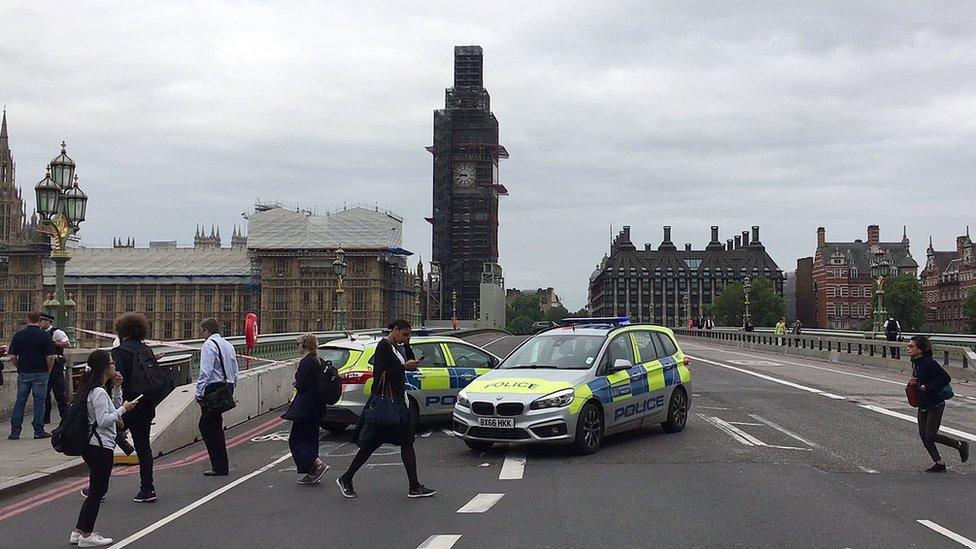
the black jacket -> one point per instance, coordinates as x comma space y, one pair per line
933, 376
122, 356
385, 362
306, 406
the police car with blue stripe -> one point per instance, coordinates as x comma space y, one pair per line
576, 384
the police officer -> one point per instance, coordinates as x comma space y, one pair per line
56, 382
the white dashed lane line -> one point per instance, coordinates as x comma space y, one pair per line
961, 540
514, 466
440, 541
480, 503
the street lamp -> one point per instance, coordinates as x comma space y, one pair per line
746, 289
687, 303
417, 319
339, 313
454, 322
879, 270
61, 205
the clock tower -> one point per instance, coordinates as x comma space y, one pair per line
466, 188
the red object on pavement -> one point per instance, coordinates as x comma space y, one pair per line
250, 336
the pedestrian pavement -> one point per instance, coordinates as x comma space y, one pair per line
25, 462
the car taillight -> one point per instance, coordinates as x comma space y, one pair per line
355, 378
687, 362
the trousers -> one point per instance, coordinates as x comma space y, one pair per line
99, 461
212, 430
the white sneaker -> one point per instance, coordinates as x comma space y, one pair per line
94, 540
75, 536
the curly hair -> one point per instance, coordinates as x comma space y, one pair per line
131, 325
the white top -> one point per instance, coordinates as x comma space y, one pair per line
104, 411
59, 336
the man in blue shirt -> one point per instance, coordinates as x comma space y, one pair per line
32, 352
218, 363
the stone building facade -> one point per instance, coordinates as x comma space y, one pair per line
842, 281
947, 280
666, 285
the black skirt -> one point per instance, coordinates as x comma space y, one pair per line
370, 435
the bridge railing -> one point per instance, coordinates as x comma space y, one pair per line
866, 351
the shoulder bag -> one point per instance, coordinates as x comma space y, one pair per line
382, 409
218, 397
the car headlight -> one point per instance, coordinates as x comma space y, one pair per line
553, 400
463, 401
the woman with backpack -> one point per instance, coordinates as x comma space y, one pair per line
99, 455
932, 382
305, 413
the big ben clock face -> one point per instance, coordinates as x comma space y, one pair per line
464, 174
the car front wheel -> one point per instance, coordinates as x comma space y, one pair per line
589, 430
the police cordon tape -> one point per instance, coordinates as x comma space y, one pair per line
176, 345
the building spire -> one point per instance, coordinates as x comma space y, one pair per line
3, 125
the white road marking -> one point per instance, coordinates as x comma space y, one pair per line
448, 432
513, 467
770, 378
480, 503
965, 542
426, 434
730, 432
866, 469
494, 341
440, 541
755, 441
913, 419
711, 407
746, 423
784, 431
163, 522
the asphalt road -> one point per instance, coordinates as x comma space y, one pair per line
778, 451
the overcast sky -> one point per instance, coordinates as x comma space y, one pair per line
687, 114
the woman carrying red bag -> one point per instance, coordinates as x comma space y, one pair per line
932, 391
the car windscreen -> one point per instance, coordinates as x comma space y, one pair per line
562, 352
337, 355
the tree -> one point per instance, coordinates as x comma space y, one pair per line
729, 306
765, 306
903, 300
969, 309
555, 314
522, 307
520, 326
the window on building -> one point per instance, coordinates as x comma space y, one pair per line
167, 329
187, 301
89, 301
208, 303
830, 291
129, 300
168, 306
150, 302
280, 300
25, 302
279, 267
228, 302
110, 301
359, 266
187, 329
359, 300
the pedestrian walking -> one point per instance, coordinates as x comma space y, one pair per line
780, 330
893, 333
393, 356
218, 374
797, 327
56, 382
933, 389
132, 329
305, 413
709, 323
104, 413
32, 354
749, 327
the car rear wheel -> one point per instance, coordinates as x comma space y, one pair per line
589, 430
334, 429
479, 445
677, 411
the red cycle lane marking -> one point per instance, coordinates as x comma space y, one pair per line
59, 492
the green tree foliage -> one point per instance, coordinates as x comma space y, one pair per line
520, 325
969, 309
521, 312
903, 300
765, 305
556, 314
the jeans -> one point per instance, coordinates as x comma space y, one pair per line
929, 422
28, 383
139, 423
99, 461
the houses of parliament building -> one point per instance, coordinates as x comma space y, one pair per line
281, 269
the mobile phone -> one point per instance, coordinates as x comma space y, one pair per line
421, 358
137, 398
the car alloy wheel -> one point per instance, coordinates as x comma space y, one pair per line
589, 430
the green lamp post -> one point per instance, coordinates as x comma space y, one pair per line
339, 268
880, 268
746, 289
61, 206
417, 317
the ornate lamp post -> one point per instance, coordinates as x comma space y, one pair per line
61, 205
417, 318
339, 313
746, 289
879, 270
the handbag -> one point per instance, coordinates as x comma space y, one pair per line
911, 391
218, 397
946, 392
382, 409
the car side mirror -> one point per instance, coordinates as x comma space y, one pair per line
620, 365
495, 361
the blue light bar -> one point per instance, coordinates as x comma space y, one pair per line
615, 320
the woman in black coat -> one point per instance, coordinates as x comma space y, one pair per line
393, 356
932, 378
305, 413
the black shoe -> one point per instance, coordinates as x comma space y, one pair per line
963, 451
125, 445
12, 436
421, 492
42, 434
937, 468
318, 473
213, 473
346, 487
145, 496
84, 493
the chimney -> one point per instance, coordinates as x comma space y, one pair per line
755, 235
745, 238
627, 232
647, 247
667, 233
714, 233
821, 237
961, 243
687, 247
729, 245
874, 235
738, 242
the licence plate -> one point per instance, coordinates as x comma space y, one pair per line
496, 422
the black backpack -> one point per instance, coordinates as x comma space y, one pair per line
147, 378
72, 435
328, 387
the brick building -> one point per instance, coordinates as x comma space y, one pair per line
667, 285
841, 274
947, 280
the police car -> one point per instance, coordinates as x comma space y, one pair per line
575, 385
449, 365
